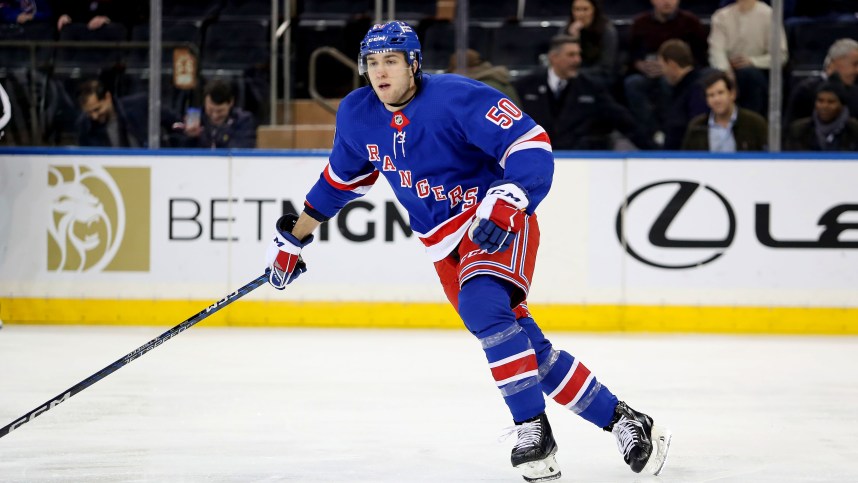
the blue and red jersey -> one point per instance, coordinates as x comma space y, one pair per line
440, 153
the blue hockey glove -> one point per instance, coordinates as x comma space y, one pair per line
500, 216
283, 256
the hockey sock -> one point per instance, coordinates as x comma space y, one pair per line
567, 380
484, 307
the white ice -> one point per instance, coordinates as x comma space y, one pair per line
267, 405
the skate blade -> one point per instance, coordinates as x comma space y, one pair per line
661, 444
541, 470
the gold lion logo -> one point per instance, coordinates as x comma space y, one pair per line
88, 218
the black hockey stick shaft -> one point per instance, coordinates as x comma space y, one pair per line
211, 309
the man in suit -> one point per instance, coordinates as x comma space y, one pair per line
727, 128
120, 123
575, 110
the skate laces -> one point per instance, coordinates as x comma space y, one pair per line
529, 434
627, 432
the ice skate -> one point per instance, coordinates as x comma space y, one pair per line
644, 445
533, 453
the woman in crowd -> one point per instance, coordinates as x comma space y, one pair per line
598, 38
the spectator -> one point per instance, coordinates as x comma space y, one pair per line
98, 13
687, 100
829, 128
222, 124
739, 45
727, 128
598, 38
485, 72
575, 110
646, 91
840, 66
23, 11
110, 122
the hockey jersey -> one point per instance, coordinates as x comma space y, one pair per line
439, 153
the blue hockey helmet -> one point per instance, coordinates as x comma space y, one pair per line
395, 36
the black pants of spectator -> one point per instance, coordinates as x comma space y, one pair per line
647, 99
752, 85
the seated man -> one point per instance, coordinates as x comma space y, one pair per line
575, 110
222, 124
118, 123
687, 99
727, 128
739, 45
829, 128
841, 67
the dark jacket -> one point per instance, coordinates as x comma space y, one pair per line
801, 136
751, 132
582, 117
688, 100
238, 131
132, 115
803, 98
647, 34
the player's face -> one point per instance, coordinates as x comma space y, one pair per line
99, 110
828, 106
391, 77
847, 67
720, 99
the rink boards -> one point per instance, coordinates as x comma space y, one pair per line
721, 244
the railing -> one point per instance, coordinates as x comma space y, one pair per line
341, 58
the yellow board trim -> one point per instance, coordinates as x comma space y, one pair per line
589, 318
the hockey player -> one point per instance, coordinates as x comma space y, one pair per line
470, 168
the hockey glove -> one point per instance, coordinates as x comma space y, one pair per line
284, 253
500, 216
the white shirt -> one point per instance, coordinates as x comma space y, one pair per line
555, 83
721, 139
742, 33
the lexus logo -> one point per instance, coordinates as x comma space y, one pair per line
660, 215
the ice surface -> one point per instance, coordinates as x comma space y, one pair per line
266, 405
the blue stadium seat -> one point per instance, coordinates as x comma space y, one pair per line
335, 9
191, 9
520, 47
172, 30
236, 44
439, 42
547, 10
14, 57
76, 57
809, 41
250, 9
492, 10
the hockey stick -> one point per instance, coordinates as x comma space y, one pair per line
133, 355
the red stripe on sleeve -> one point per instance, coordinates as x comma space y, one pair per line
368, 181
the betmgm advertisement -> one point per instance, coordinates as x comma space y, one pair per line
624, 241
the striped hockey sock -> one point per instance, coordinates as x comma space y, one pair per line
512, 361
568, 381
